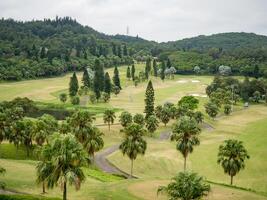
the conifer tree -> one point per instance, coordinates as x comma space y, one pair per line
169, 63
148, 67
74, 85
125, 51
86, 79
155, 68
98, 79
162, 71
128, 74
107, 88
116, 78
42, 53
149, 100
119, 51
133, 72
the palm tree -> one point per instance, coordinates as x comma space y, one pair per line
109, 117
79, 122
45, 126
186, 186
94, 141
63, 158
185, 133
133, 143
232, 155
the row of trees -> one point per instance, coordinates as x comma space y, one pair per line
227, 91
96, 82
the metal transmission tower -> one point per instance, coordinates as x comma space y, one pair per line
127, 30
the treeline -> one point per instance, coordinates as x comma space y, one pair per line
52, 47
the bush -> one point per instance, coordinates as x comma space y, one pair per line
75, 100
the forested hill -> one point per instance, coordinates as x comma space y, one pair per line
225, 41
52, 47
48, 47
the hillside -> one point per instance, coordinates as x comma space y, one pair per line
225, 41
51, 47
46, 48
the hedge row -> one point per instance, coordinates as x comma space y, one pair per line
24, 197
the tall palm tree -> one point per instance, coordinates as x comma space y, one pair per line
94, 141
109, 117
45, 126
185, 133
79, 122
63, 158
232, 155
133, 142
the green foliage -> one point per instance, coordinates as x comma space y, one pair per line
109, 117
107, 84
92, 98
149, 100
128, 73
133, 142
75, 100
227, 109
185, 132
162, 71
155, 68
188, 102
62, 159
232, 155
139, 119
152, 123
116, 90
116, 78
125, 118
133, 72
63, 97
98, 79
106, 97
211, 109
86, 79
74, 85
165, 115
186, 186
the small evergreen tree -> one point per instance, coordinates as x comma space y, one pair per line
155, 68
116, 78
148, 67
149, 100
86, 79
74, 85
107, 85
162, 71
42, 54
128, 74
133, 72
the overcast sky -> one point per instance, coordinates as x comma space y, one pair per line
159, 20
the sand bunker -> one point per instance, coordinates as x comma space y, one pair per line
182, 81
195, 81
198, 95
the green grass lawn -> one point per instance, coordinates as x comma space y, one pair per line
161, 161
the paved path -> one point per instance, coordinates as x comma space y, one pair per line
102, 162
101, 157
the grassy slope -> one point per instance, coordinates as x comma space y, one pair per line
161, 156
163, 161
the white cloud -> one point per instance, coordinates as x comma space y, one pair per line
151, 19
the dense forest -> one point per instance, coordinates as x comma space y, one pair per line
52, 47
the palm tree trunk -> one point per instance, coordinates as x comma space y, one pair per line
43, 187
131, 168
185, 163
231, 180
65, 191
108, 126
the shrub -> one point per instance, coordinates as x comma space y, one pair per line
75, 100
